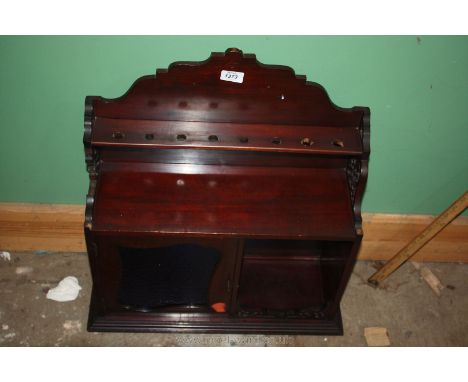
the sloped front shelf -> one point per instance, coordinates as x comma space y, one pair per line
209, 200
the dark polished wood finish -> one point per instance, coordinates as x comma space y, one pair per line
217, 206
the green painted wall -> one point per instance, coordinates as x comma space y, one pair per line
417, 89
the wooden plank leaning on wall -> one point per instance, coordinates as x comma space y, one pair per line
59, 228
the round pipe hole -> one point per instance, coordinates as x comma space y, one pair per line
243, 140
149, 137
213, 138
307, 142
117, 135
276, 141
181, 137
338, 143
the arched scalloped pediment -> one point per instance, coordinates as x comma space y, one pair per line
193, 91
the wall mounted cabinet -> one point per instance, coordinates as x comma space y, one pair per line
224, 197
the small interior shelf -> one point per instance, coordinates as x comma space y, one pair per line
288, 275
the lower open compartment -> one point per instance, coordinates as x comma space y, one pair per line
170, 284
291, 278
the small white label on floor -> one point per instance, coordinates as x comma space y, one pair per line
227, 75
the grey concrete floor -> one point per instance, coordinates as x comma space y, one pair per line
413, 314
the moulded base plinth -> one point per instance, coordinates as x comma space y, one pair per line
209, 323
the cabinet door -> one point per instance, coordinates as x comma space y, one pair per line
166, 274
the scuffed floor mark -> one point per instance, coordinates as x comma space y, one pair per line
377, 264
9, 336
418, 40
72, 326
24, 270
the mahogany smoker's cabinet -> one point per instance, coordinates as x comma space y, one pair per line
224, 197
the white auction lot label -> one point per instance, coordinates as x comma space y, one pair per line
227, 75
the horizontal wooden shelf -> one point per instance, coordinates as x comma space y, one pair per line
173, 199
